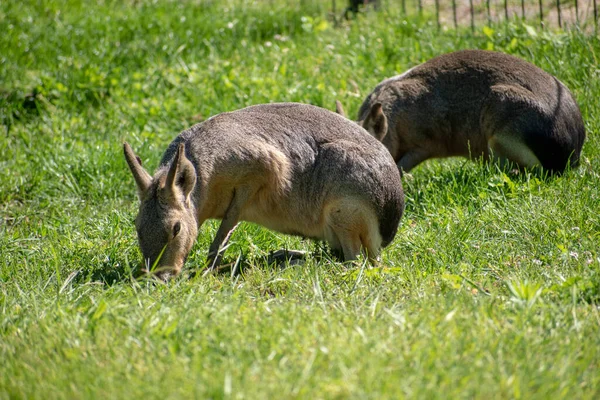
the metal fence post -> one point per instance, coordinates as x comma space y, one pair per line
472, 16
437, 12
595, 15
454, 13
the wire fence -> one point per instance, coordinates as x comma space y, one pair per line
456, 13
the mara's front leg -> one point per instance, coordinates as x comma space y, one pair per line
411, 159
228, 225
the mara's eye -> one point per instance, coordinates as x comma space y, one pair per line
176, 228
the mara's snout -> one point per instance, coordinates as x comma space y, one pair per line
476, 103
293, 168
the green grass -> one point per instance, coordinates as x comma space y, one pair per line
490, 290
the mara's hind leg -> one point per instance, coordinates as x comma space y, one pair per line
511, 119
506, 148
350, 242
351, 224
332, 239
371, 242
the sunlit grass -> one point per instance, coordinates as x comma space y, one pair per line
490, 289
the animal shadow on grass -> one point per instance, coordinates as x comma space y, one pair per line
279, 259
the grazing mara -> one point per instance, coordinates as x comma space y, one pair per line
476, 103
293, 168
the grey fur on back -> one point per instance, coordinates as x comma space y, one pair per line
454, 103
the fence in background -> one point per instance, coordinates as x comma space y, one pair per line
561, 13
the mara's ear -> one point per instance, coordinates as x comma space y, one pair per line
142, 178
182, 174
339, 109
376, 122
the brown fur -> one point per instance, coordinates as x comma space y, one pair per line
476, 103
293, 168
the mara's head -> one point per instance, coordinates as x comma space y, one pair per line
166, 224
370, 117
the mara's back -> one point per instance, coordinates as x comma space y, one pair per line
478, 70
299, 131
457, 84
291, 127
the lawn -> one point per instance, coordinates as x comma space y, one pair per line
491, 288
